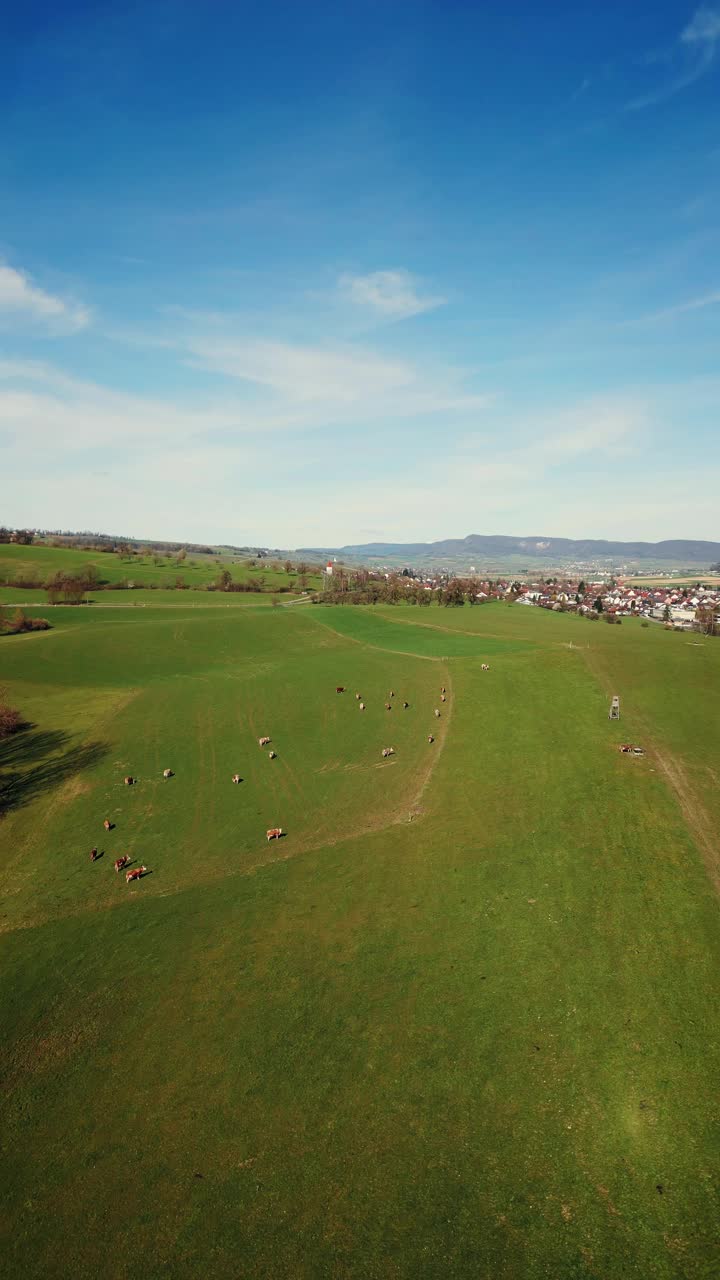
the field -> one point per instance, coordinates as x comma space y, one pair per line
40, 562
462, 1020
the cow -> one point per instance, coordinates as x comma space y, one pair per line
107, 824
405, 706
340, 688
437, 713
272, 755
388, 751
357, 697
392, 693
136, 873
484, 666
94, 855
236, 777
274, 833
430, 738
167, 773
262, 742
443, 697
443, 689
121, 863
362, 706
129, 781
388, 707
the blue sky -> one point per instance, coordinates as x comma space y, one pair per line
308, 274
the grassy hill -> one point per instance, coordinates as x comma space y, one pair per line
461, 1020
28, 568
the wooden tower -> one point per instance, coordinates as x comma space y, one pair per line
614, 712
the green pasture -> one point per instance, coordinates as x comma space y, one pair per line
462, 1020
40, 562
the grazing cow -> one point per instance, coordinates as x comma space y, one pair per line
430, 738
392, 693
121, 863
94, 855
262, 742
136, 873
340, 688
437, 713
357, 696
272, 755
388, 707
362, 706
443, 697
405, 706
484, 666
236, 777
167, 773
129, 781
274, 833
107, 824
443, 689
388, 751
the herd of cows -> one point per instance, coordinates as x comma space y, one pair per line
272, 833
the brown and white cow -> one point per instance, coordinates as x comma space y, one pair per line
340, 688
430, 738
274, 833
129, 781
236, 777
388, 751
443, 697
272, 755
167, 773
94, 855
121, 863
362, 706
388, 707
437, 713
136, 873
262, 742
107, 824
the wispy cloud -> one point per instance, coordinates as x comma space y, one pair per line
21, 300
692, 304
693, 54
394, 295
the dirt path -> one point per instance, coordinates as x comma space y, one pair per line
697, 819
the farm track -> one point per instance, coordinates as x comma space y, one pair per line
365, 644
697, 819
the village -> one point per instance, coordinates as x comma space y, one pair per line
680, 607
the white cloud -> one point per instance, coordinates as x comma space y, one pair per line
693, 304
391, 294
690, 59
20, 299
331, 384
703, 28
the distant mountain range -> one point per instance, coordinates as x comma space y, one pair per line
542, 549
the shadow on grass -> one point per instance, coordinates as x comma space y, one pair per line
32, 762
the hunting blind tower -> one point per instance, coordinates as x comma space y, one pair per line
614, 712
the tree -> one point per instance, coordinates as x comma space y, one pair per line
288, 566
666, 613
598, 604
10, 720
224, 580
581, 587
